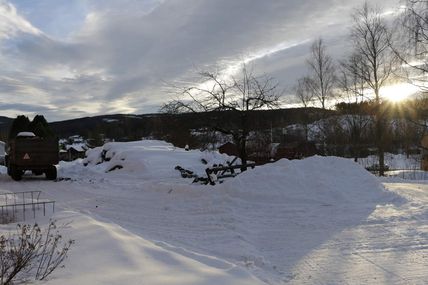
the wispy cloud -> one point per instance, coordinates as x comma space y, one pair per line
11, 23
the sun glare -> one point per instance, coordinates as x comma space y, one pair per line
398, 92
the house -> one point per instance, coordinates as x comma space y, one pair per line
229, 149
76, 139
63, 155
73, 152
424, 162
293, 150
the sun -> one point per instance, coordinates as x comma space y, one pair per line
398, 92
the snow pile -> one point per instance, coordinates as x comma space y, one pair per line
150, 159
331, 180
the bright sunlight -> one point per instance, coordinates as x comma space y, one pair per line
398, 92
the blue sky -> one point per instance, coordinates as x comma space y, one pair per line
56, 18
68, 59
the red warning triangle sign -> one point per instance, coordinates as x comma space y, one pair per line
26, 156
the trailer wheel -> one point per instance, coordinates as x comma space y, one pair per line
16, 174
51, 173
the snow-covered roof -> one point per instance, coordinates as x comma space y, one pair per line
25, 134
80, 147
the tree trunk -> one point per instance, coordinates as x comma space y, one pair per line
243, 153
380, 141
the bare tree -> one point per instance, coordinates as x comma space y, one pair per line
413, 50
356, 119
239, 95
304, 94
318, 85
371, 40
350, 82
322, 75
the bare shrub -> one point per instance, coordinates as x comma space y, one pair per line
31, 253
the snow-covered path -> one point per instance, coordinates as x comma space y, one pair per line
391, 247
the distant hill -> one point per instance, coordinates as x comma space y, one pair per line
123, 127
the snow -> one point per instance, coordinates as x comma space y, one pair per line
108, 120
401, 167
321, 220
2, 151
25, 134
150, 159
2, 148
108, 254
80, 147
394, 161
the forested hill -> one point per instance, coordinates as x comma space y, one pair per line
131, 127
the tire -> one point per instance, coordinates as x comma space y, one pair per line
9, 167
16, 174
51, 173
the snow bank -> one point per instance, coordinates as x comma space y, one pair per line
105, 253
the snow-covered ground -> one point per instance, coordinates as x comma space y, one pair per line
401, 166
322, 220
394, 161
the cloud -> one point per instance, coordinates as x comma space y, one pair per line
115, 56
11, 23
23, 107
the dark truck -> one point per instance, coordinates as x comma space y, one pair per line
28, 152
